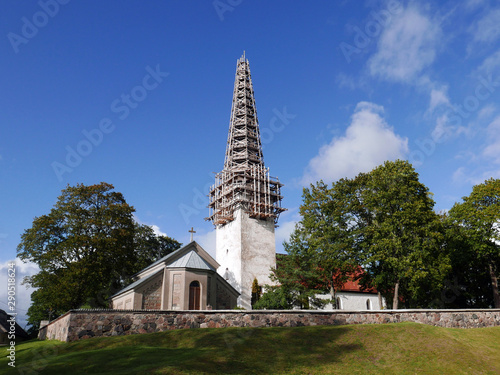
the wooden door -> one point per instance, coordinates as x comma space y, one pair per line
194, 295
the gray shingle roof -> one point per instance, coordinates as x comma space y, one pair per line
192, 260
136, 283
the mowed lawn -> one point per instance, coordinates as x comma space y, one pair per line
404, 348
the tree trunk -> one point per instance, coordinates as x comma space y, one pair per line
380, 303
333, 295
395, 299
494, 284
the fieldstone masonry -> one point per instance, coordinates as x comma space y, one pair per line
82, 324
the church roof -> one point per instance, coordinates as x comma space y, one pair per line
191, 260
180, 253
136, 283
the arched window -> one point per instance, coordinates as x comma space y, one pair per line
339, 303
194, 295
368, 304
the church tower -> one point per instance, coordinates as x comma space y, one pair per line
245, 202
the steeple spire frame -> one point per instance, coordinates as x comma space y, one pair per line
245, 181
244, 147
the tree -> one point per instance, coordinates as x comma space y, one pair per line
296, 275
330, 227
401, 240
149, 247
256, 292
276, 297
383, 222
479, 217
468, 283
85, 249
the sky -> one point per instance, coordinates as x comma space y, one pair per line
138, 94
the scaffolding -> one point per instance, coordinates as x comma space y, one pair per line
244, 182
251, 189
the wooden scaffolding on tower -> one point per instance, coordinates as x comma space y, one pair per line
244, 182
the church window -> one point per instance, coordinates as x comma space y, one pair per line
368, 304
339, 303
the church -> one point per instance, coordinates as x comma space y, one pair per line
244, 207
183, 280
245, 203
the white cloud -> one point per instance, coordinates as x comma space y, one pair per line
438, 98
486, 111
490, 66
23, 294
487, 29
472, 4
368, 142
459, 175
405, 47
486, 164
445, 129
492, 150
157, 231
283, 232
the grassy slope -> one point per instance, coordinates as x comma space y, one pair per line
405, 348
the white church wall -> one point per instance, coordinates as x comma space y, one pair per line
354, 301
228, 251
245, 249
258, 254
128, 301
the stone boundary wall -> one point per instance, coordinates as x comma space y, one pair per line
82, 324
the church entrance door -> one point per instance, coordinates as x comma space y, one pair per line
194, 295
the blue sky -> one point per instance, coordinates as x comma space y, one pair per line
138, 94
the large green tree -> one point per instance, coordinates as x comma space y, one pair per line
321, 254
330, 225
479, 218
402, 241
382, 221
468, 284
87, 247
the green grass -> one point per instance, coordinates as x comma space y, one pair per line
405, 348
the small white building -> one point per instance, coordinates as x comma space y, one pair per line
352, 298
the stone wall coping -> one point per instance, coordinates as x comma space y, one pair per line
213, 312
58, 318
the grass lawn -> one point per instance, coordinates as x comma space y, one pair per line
404, 348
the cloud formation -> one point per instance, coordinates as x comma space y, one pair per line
368, 142
405, 47
492, 150
487, 29
23, 294
438, 97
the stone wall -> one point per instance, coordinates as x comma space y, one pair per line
81, 324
